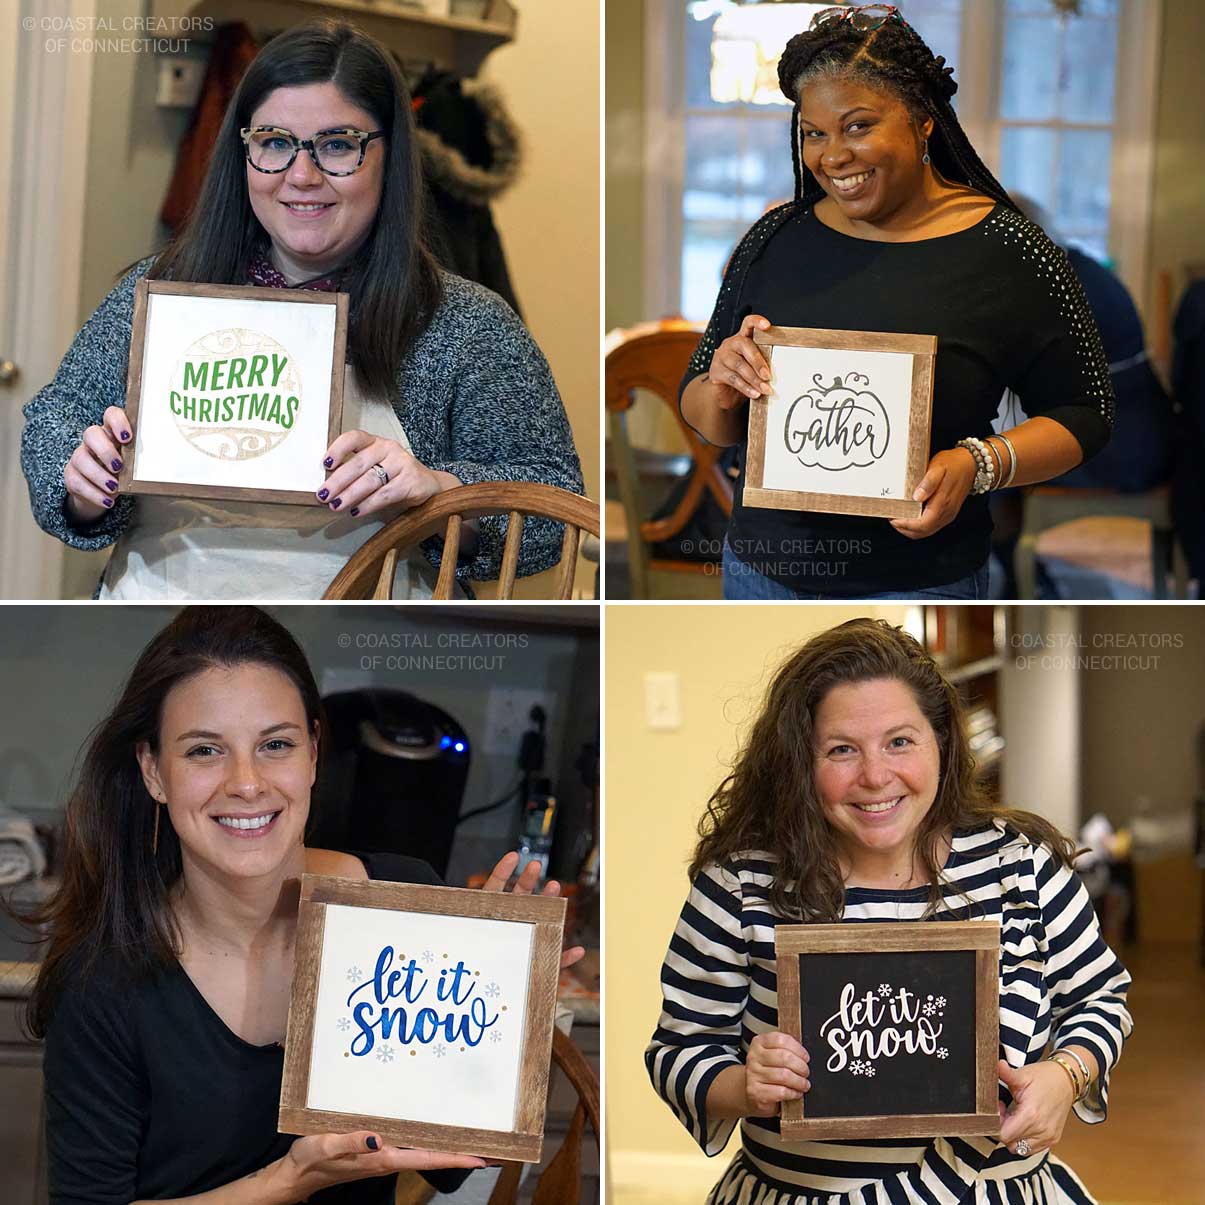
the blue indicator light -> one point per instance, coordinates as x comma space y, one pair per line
459, 746
444, 741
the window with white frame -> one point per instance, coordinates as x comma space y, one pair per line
1043, 120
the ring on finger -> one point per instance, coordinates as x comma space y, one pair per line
382, 476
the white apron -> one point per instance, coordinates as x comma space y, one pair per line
190, 548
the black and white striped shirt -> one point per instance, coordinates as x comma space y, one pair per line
1059, 983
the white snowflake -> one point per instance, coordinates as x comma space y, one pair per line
428, 956
940, 1001
884, 989
929, 1009
440, 1050
855, 1068
385, 1054
495, 1036
343, 1023
870, 1069
492, 989
353, 973
943, 1053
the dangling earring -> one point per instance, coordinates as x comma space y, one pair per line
925, 157
155, 838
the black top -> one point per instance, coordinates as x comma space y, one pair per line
149, 1094
1008, 312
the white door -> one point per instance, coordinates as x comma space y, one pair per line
45, 92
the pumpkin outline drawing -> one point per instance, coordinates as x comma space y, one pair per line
828, 427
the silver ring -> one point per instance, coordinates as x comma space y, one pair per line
1023, 1147
382, 476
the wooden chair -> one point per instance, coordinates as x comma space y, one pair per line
369, 571
560, 1182
654, 356
1048, 506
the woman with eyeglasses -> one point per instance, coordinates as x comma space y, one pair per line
314, 183
897, 226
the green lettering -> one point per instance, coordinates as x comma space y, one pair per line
174, 402
259, 405
234, 375
190, 408
256, 374
204, 407
273, 415
215, 378
195, 375
242, 406
227, 409
278, 366
292, 405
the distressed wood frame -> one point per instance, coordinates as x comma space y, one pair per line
128, 480
922, 349
982, 937
545, 913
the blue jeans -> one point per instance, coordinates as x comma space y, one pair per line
742, 581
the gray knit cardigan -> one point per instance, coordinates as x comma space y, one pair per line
474, 396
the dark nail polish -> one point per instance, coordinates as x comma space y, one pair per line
117, 466
355, 510
125, 435
107, 501
330, 460
110, 485
336, 504
322, 494
373, 1144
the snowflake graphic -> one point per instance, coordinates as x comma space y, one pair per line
385, 1054
929, 1009
495, 1036
884, 989
353, 973
940, 1001
440, 1050
343, 1023
943, 1053
870, 1069
492, 989
857, 1067
428, 956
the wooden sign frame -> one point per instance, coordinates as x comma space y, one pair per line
131, 479
922, 349
546, 914
982, 937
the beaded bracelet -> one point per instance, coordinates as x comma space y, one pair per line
985, 478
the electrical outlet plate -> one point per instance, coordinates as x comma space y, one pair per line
506, 719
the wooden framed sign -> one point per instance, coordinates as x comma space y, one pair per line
424, 1014
845, 428
233, 391
901, 1025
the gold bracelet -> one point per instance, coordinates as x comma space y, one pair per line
1081, 1064
1073, 1075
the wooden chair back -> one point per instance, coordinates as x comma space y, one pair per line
369, 571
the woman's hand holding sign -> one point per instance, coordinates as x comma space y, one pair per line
525, 884
91, 474
942, 490
713, 402
776, 1069
1042, 1098
372, 473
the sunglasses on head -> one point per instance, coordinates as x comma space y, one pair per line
862, 17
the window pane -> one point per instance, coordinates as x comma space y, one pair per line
1091, 52
698, 64
1083, 199
1027, 163
1029, 87
706, 248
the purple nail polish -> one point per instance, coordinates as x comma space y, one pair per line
117, 466
125, 435
110, 485
355, 510
107, 501
336, 504
330, 460
322, 494
373, 1145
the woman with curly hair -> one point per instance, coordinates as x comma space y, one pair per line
854, 799
897, 226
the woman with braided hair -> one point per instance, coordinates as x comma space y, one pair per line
897, 226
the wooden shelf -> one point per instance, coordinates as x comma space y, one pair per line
459, 44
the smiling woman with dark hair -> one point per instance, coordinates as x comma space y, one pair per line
314, 183
897, 226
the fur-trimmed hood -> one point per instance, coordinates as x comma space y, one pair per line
446, 164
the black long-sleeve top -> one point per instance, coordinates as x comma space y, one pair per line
1008, 312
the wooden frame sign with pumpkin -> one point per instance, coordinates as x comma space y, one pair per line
233, 391
845, 427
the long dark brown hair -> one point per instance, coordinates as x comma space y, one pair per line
114, 896
769, 801
392, 280
892, 58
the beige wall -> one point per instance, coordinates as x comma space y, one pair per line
549, 221
657, 784
1176, 233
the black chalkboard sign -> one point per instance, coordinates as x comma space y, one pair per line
901, 1025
